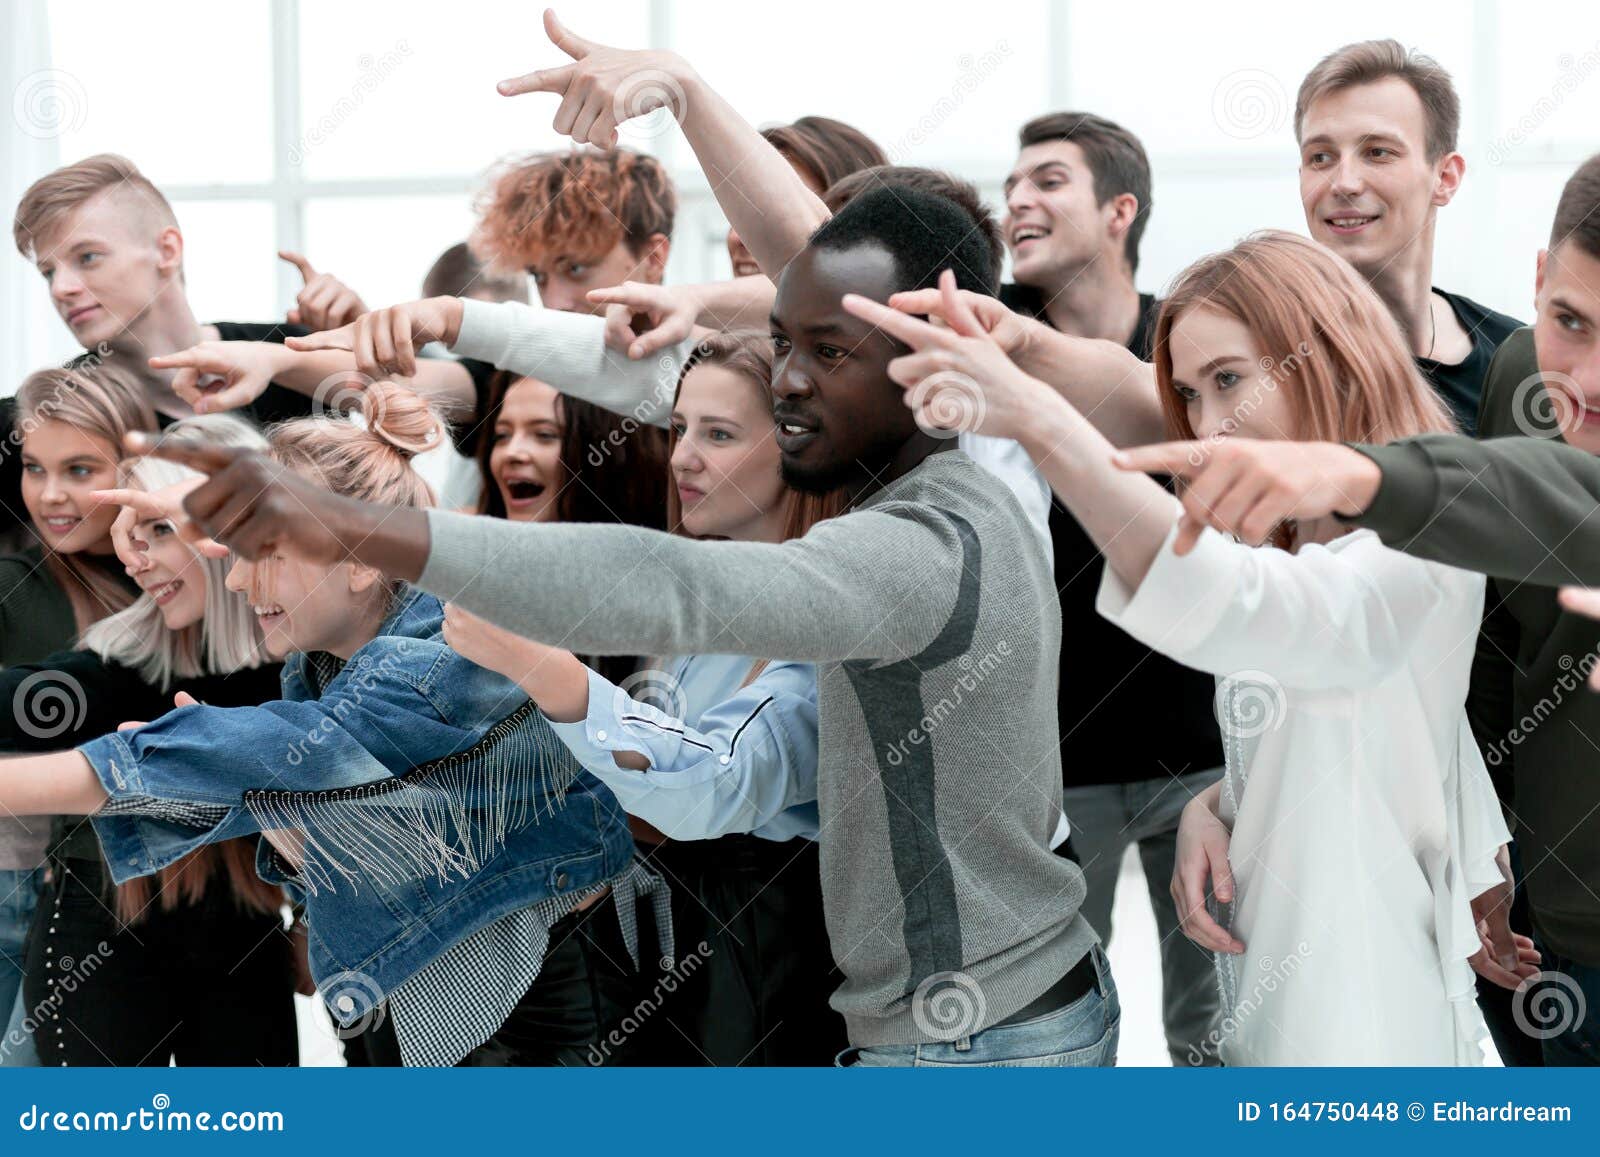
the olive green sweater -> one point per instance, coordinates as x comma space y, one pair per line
1525, 511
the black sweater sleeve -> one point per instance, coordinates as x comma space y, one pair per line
1522, 509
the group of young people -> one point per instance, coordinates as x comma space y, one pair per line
776, 671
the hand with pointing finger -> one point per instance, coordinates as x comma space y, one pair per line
1247, 487
324, 302
385, 341
153, 506
602, 87
957, 377
255, 506
643, 319
214, 376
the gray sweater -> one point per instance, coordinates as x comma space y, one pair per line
930, 613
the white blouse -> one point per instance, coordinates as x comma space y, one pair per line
1363, 818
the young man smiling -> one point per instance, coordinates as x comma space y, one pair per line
1077, 203
1377, 128
927, 608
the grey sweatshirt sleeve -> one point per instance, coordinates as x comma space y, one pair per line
1521, 509
873, 584
568, 351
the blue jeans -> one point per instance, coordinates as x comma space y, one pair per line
1576, 1011
1082, 1034
1106, 818
19, 894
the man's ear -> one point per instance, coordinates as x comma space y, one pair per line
1538, 273
1452, 168
169, 247
1121, 212
653, 260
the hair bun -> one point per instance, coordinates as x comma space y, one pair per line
401, 418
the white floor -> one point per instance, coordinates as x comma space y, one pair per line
1135, 962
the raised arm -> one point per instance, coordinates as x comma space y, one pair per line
762, 196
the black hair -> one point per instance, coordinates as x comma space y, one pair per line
924, 232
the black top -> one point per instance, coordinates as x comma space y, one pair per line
276, 404
1461, 385
99, 696
1127, 713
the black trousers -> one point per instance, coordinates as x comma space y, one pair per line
754, 968
585, 985
206, 984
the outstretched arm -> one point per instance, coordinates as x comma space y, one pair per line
876, 583
61, 783
566, 350
762, 196
1519, 509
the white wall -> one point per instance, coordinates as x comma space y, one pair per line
357, 130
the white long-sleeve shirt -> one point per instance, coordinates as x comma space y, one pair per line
1363, 818
568, 351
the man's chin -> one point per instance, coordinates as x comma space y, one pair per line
815, 478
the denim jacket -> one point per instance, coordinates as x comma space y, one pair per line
411, 797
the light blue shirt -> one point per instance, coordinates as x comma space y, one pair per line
725, 756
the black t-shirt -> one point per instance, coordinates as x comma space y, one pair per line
276, 404
1461, 385
110, 694
1127, 713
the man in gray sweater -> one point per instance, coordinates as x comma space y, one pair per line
931, 615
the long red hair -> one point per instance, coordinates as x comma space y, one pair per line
1329, 340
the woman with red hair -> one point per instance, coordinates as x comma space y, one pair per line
1362, 821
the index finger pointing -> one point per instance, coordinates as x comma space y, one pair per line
545, 80
206, 459
299, 262
912, 331
1182, 459
141, 502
